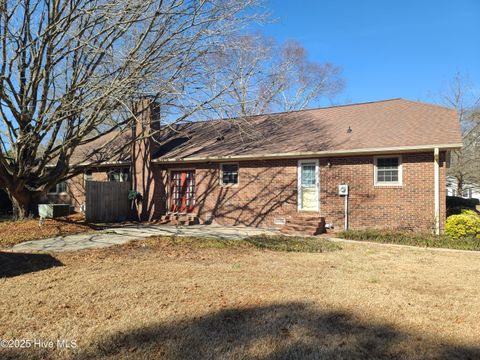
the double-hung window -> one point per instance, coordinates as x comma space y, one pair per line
388, 170
229, 174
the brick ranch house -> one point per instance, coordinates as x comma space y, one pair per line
283, 170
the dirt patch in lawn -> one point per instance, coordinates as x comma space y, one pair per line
15, 232
161, 299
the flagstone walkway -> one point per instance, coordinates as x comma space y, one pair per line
121, 235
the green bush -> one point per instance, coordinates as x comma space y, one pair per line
466, 224
455, 205
460, 210
468, 212
454, 201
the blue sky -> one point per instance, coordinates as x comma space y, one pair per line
387, 48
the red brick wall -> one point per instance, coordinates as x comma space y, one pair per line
410, 205
268, 190
75, 194
144, 174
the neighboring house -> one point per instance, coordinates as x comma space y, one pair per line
283, 169
469, 191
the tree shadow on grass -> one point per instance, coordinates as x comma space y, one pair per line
14, 264
280, 331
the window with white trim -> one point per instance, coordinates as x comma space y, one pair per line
388, 170
229, 174
119, 175
59, 188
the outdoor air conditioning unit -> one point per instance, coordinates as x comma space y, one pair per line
343, 189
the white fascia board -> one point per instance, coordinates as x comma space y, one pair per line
310, 154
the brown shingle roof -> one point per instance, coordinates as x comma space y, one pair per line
107, 148
375, 125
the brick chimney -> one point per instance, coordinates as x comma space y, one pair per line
147, 123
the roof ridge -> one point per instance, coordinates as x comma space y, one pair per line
322, 108
428, 104
301, 110
332, 106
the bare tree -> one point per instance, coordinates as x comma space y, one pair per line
264, 76
70, 68
465, 162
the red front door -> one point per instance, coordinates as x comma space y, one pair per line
182, 190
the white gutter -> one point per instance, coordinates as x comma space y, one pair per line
436, 172
106, 163
310, 154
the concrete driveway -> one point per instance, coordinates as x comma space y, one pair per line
124, 234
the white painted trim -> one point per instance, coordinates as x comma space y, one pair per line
311, 154
299, 184
221, 174
106, 163
376, 183
436, 172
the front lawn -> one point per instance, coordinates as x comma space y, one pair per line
15, 232
411, 238
178, 298
276, 243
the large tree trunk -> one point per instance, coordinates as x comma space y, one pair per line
24, 203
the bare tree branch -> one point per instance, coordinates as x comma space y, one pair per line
69, 67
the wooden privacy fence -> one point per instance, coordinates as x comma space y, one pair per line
107, 201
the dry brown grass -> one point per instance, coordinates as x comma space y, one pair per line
15, 232
154, 299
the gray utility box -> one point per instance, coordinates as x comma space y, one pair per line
52, 211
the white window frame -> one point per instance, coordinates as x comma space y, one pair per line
238, 174
56, 189
299, 184
388, 183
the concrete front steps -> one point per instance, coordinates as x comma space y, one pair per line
304, 225
179, 219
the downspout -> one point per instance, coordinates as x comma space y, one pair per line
436, 167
